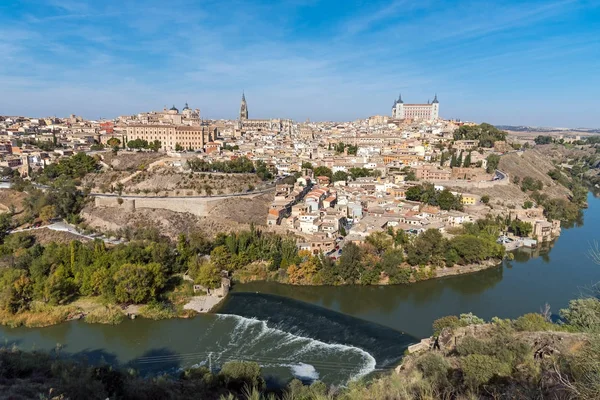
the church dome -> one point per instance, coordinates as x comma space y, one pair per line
174, 108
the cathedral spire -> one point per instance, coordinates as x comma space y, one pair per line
243, 108
400, 98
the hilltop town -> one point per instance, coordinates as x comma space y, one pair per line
328, 183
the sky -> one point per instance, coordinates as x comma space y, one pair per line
510, 62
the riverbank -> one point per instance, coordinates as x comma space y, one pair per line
94, 310
259, 272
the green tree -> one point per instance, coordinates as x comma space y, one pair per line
381, 241
113, 142
349, 265
492, 163
241, 374
209, 275
323, 171
340, 176
136, 283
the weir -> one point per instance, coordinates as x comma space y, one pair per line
384, 344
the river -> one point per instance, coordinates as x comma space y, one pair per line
331, 333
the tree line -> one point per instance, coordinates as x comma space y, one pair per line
485, 134
240, 165
428, 194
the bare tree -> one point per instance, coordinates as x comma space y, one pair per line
546, 313
594, 252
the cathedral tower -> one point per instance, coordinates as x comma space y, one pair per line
243, 108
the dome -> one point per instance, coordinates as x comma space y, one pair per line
174, 108
186, 107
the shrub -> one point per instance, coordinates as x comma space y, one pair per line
532, 322
450, 321
470, 319
583, 314
470, 345
111, 315
434, 367
239, 374
479, 369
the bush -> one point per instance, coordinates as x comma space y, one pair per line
470, 319
479, 369
239, 374
111, 315
532, 322
451, 321
434, 367
583, 314
470, 345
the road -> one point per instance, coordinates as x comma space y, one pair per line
62, 226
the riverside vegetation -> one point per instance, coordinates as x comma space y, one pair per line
46, 284
526, 358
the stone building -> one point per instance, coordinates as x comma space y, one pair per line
245, 124
428, 112
187, 116
188, 137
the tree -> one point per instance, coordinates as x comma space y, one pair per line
414, 193
381, 241
5, 225
209, 275
349, 265
541, 139
20, 295
485, 199
178, 147
340, 176
323, 171
486, 134
527, 204
492, 162
307, 165
59, 286
47, 213
467, 161
411, 176
113, 142
429, 244
447, 201
136, 283
240, 374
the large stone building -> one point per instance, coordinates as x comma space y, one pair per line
187, 116
187, 137
244, 124
428, 112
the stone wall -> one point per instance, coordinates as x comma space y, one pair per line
115, 202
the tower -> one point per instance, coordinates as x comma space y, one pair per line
243, 108
435, 108
399, 108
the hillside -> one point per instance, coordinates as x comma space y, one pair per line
535, 164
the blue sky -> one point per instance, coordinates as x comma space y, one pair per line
504, 62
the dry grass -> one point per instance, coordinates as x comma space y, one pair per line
110, 315
39, 316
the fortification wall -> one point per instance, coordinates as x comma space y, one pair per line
197, 206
